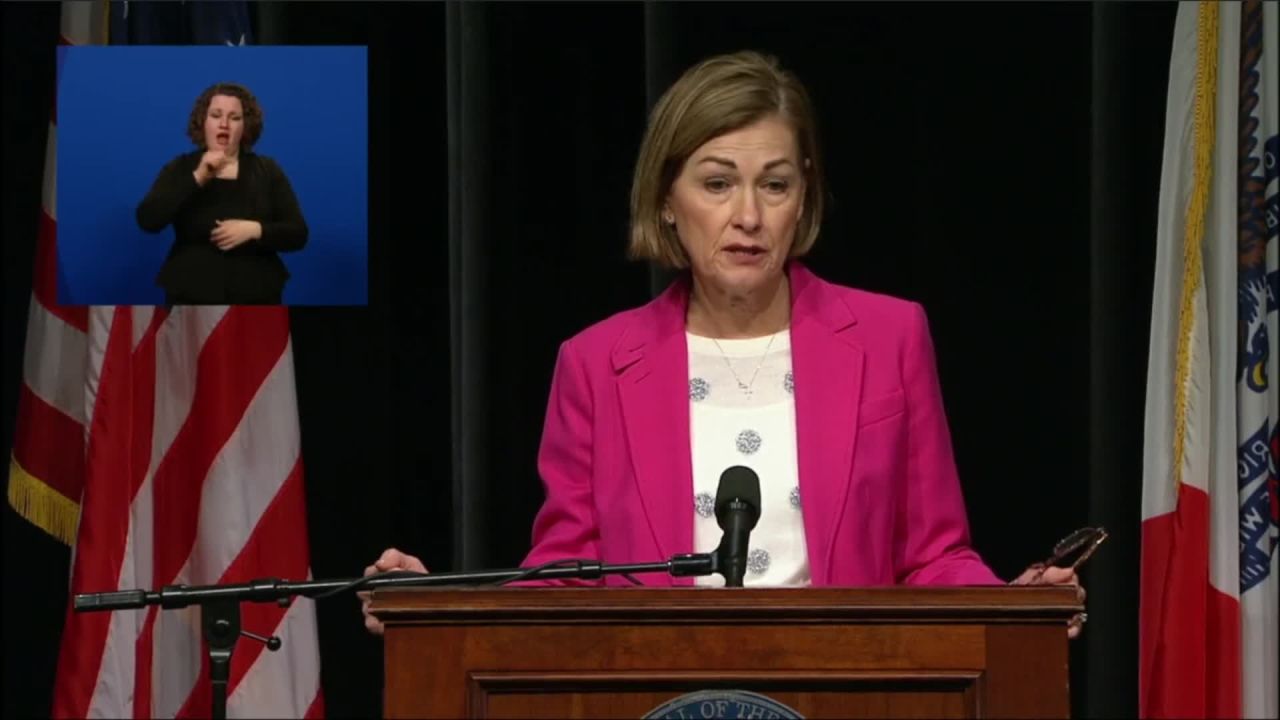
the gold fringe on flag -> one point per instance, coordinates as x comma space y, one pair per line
1193, 232
43, 506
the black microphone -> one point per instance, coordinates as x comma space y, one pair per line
737, 512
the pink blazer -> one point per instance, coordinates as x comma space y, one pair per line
880, 498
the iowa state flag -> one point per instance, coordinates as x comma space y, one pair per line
1208, 610
163, 445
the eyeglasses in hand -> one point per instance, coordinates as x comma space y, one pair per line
1073, 550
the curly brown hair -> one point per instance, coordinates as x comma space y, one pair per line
252, 113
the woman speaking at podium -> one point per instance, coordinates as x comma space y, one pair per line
828, 393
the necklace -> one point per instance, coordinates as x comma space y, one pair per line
746, 387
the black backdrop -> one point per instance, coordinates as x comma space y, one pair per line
998, 163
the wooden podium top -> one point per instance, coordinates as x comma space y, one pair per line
825, 652
991, 604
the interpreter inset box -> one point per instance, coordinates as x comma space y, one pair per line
212, 175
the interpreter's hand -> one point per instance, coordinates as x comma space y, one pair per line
1040, 575
392, 559
211, 163
228, 234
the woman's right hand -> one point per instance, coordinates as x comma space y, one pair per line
210, 163
392, 559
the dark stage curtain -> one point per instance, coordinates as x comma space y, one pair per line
1131, 46
997, 163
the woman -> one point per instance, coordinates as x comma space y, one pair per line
232, 210
830, 394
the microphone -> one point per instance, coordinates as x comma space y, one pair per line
737, 512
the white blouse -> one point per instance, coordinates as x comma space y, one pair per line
742, 412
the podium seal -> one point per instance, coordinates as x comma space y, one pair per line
717, 704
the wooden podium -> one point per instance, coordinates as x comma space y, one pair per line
824, 652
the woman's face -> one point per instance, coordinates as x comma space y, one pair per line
736, 205
224, 124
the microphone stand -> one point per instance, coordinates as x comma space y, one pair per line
220, 604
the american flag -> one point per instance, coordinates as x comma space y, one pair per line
163, 446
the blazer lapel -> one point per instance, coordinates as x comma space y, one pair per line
652, 365
827, 368
652, 362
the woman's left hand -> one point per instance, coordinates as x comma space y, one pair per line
228, 234
1041, 575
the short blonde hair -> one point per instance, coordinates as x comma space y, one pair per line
718, 95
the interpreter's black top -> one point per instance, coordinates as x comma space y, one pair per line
196, 271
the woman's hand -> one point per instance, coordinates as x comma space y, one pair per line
228, 234
1041, 575
392, 559
211, 163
